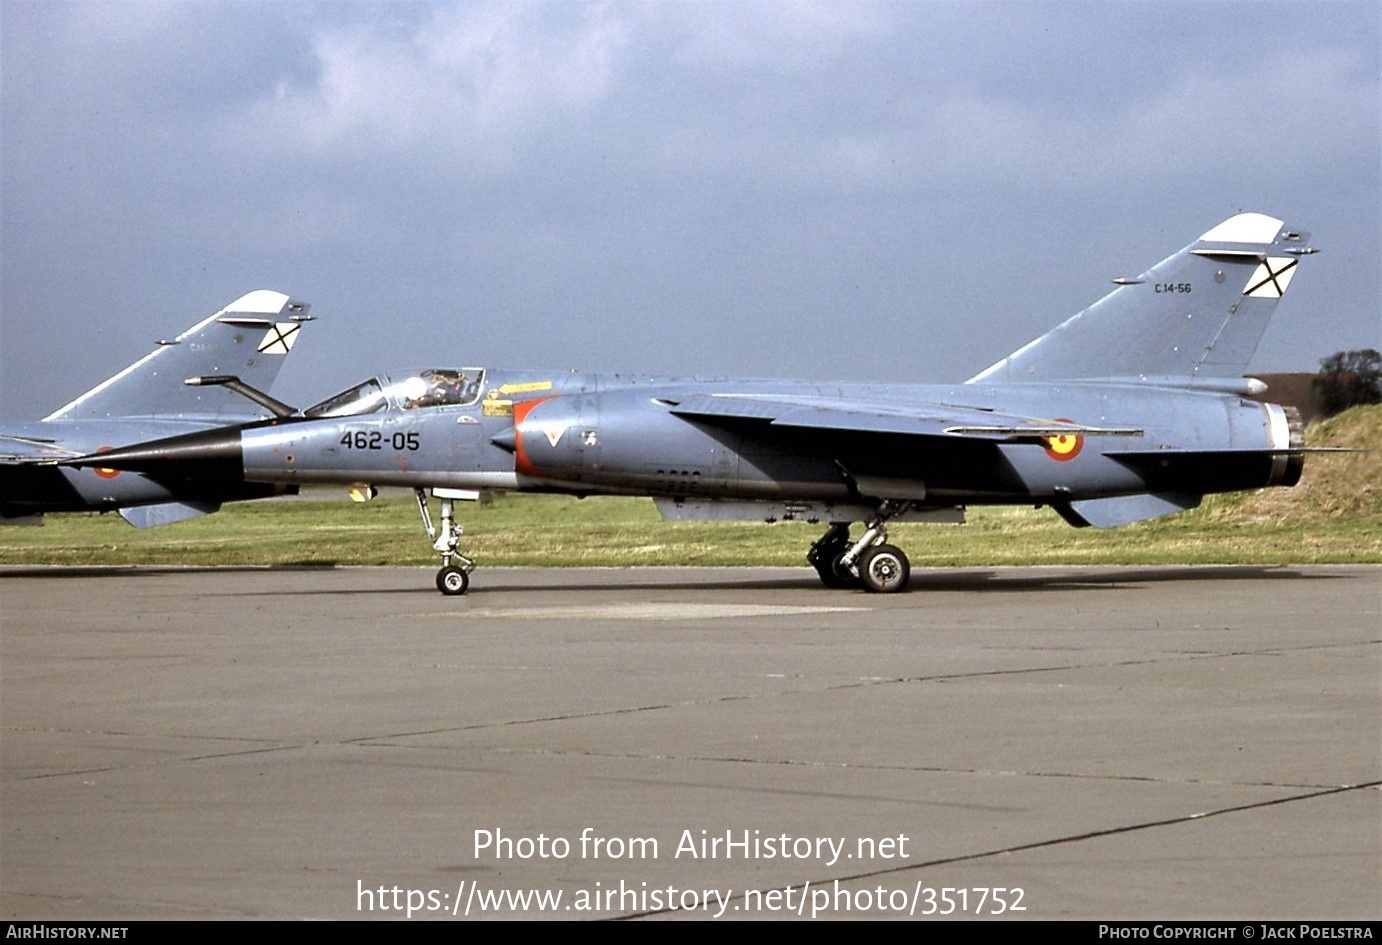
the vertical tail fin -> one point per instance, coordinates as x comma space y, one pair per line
1197, 314
249, 338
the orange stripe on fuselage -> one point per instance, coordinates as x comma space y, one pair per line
521, 462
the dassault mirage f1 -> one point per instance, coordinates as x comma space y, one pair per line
1134, 408
183, 385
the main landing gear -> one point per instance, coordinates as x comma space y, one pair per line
452, 579
870, 562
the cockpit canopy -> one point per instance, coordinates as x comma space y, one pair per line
430, 387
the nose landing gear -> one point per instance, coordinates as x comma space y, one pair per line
452, 579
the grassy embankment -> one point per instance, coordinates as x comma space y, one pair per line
1333, 516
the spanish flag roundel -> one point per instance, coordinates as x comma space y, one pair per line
1064, 447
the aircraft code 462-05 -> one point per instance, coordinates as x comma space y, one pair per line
376, 440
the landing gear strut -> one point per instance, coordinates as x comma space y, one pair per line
870, 562
452, 579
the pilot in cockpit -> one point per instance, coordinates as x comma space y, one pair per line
436, 388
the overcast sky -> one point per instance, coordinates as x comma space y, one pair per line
887, 191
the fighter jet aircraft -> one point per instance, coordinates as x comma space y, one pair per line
1134, 408
249, 340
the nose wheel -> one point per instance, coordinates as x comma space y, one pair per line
453, 579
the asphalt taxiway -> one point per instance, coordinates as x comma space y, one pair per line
1067, 743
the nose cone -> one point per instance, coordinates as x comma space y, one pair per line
207, 454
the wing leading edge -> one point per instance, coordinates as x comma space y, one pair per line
857, 416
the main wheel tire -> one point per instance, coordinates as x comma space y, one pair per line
825, 556
844, 577
452, 581
884, 569
833, 576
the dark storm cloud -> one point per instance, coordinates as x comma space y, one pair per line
901, 191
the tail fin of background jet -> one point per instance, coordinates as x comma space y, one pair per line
1196, 315
249, 339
